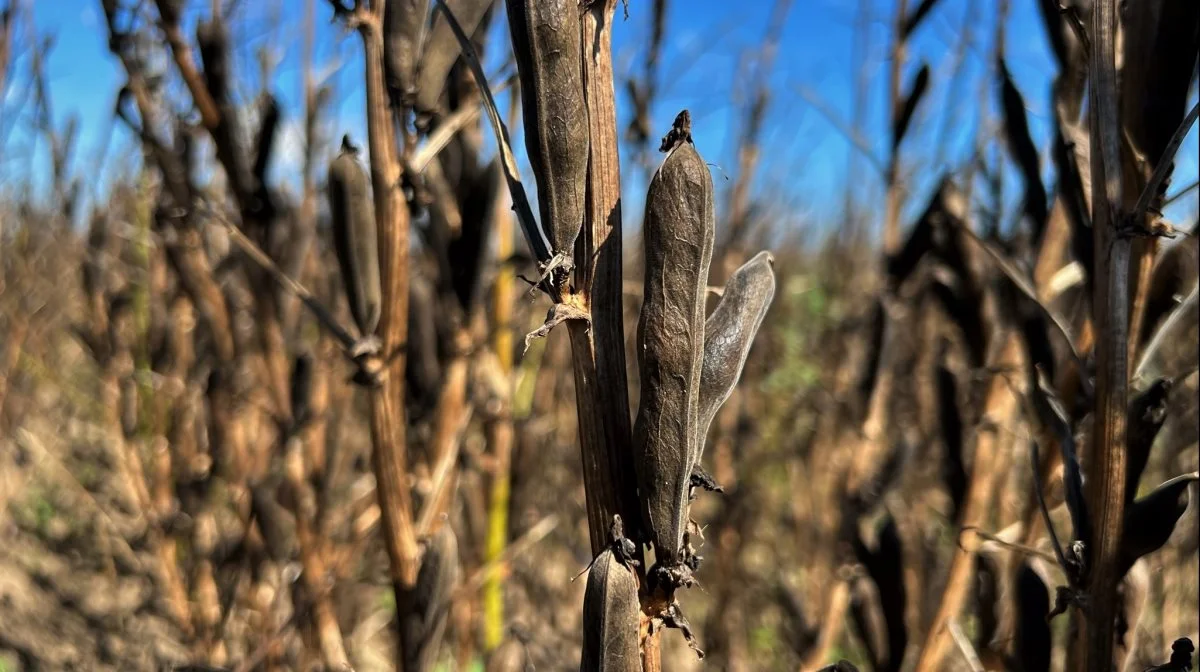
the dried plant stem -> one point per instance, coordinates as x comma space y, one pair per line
500, 430
1000, 408
602, 395
831, 627
1110, 307
451, 413
181, 51
899, 50
388, 441
651, 651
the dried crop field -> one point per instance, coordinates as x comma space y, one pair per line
552, 334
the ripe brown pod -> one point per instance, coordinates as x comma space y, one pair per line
404, 24
441, 50
610, 617
354, 237
678, 238
547, 42
729, 333
425, 622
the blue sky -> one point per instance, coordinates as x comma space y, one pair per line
806, 162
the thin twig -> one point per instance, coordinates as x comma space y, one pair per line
965, 647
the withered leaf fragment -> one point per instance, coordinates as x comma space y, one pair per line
1052, 425
404, 24
728, 334
610, 617
354, 237
547, 42
678, 238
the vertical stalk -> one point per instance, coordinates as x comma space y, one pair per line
1110, 307
602, 395
500, 431
388, 442
891, 224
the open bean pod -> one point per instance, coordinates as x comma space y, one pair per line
728, 334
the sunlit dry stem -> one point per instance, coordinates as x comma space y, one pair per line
1110, 308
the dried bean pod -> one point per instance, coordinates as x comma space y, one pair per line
678, 239
354, 237
1150, 521
610, 617
425, 622
441, 50
547, 42
404, 24
728, 335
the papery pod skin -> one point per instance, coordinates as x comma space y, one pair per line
441, 50
678, 237
426, 620
354, 237
404, 24
728, 334
547, 42
611, 616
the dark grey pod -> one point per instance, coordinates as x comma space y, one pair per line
426, 621
441, 49
610, 617
728, 335
678, 237
547, 42
404, 24
354, 237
